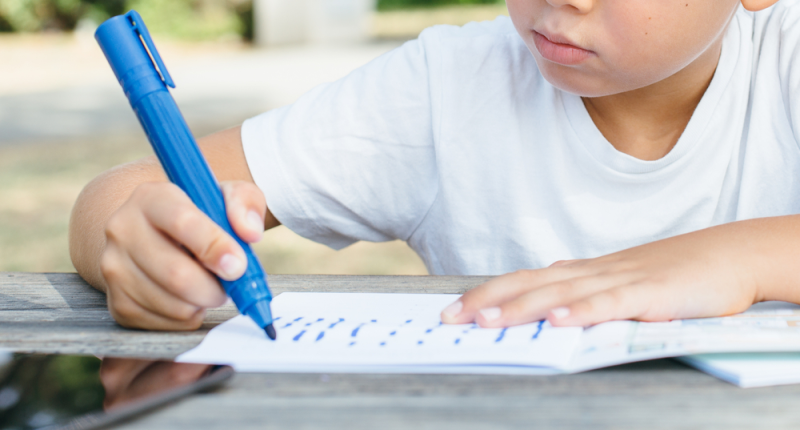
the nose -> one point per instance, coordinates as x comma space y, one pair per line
580, 6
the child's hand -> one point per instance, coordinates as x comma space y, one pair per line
700, 274
152, 281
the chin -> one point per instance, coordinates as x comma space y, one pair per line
579, 82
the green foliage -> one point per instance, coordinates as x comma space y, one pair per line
189, 19
38, 15
403, 4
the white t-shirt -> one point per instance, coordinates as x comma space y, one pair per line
456, 144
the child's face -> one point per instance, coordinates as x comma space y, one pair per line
619, 45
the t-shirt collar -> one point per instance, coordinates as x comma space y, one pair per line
605, 153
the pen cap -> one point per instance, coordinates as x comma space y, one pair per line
125, 42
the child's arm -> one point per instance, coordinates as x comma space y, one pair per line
129, 227
712, 272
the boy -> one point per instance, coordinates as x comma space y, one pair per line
645, 150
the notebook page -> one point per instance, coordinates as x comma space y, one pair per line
382, 332
765, 327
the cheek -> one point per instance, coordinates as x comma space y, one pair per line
643, 47
524, 13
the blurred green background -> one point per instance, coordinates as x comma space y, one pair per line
187, 19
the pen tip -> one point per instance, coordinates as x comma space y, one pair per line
270, 329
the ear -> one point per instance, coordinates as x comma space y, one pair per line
757, 5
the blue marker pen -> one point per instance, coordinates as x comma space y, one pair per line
128, 47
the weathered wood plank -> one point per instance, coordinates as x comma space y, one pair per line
655, 395
60, 313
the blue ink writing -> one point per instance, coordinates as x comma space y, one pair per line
538, 330
355, 331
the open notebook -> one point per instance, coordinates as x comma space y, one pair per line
402, 333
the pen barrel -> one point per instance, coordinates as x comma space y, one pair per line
133, 57
186, 167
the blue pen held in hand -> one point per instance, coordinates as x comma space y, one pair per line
129, 49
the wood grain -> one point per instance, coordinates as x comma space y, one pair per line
60, 313
56, 312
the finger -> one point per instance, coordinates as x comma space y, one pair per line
162, 263
246, 206
621, 303
181, 220
130, 314
123, 274
561, 263
500, 290
535, 305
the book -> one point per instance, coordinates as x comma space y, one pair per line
402, 333
748, 370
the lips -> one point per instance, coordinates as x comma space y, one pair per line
558, 50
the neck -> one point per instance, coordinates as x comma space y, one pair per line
646, 123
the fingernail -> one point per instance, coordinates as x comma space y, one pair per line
231, 266
560, 313
491, 314
254, 221
454, 309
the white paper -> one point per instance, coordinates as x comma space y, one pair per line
381, 333
750, 369
402, 333
765, 327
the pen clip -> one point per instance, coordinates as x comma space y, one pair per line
141, 29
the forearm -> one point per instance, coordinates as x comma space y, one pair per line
95, 205
770, 249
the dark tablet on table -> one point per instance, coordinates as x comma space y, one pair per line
82, 392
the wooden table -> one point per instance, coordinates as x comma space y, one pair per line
59, 313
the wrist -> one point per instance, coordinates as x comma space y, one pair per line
767, 250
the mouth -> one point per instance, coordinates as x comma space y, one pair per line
559, 50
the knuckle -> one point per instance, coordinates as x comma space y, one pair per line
193, 322
615, 296
218, 241
184, 314
233, 189
564, 290
179, 278
228, 189
110, 267
514, 309
253, 192
527, 275
146, 190
183, 220
520, 273
114, 226
125, 312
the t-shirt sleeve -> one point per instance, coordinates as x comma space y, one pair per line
353, 159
